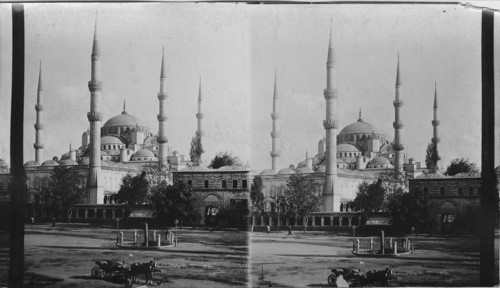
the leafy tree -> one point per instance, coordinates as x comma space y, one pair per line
461, 165
302, 198
196, 149
134, 190
256, 196
177, 201
432, 157
371, 197
411, 209
224, 159
4, 167
65, 189
157, 174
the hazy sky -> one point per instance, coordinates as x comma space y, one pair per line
236, 48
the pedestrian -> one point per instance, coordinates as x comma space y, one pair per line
176, 223
412, 230
268, 229
53, 222
289, 230
32, 220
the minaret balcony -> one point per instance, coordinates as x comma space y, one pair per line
436, 140
94, 116
275, 116
161, 118
199, 115
397, 125
275, 134
38, 145
39, 107
330, 94
275, 154
331, 123
435, 122
398, 103
95, 86
162, 96
161, 139
398, 147
38, 126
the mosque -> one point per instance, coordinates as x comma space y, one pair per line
360, 152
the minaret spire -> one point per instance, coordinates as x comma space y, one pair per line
95, 189
275, 134
359, 118
38, 145
331, 195
398, 125
162, 118
200, 114
435, 122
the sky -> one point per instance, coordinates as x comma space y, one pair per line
235, 48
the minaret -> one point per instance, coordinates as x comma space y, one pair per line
331, 195
94, 187
199, 115
162, 118
398, 126
38, 145
275, 134
435, 122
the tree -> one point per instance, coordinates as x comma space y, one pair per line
65, 189
432, 157
224, 159
196, 149
461, 165
411, 209
4, 167
134, 190
256, 196
371, 197
157, 174
177, 201
302, 198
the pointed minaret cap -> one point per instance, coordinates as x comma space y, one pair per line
359, 119
162, 74
331, 53
435, 96
124, 111
95, 46
40, 85
275, 94
398, 76
199, 91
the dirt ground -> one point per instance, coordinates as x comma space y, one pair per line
305, 259
63, 256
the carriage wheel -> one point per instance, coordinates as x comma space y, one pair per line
332, 280
96, 272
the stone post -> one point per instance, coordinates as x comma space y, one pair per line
382, 244
395, 248
146, 234
390, 243
121, 237
159, 239
154, 234
135, 236
357, 245
371, 243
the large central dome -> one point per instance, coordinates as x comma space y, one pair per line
359, 127
124, 119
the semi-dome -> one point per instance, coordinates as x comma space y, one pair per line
347, 148
359, 127
286, 171
304, 170
378, 162
268, 172
68, 162
50, 163
31, 163
144, 153
110, 140
123, 119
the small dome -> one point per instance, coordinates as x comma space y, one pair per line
144, 153
434, 175
286, 171
378, 162
232, 168
359, 127
268, 172
466, 175
110, 140
304, 170
104, 163
85, 161
68, 162
31, 163
104, 153
322, 141
50, 163
321, 169
195, 169
347, 148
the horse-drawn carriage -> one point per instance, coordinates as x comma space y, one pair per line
355, 278
121, 272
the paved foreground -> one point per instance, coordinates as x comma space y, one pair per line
63, 257
305, 260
